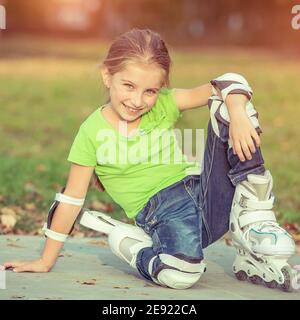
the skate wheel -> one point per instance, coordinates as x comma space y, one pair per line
255, 279
272, 284
241, 275
287, 284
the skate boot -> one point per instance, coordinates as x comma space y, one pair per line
263, 247
99, 221
124, 240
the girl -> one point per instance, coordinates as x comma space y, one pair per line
177, 212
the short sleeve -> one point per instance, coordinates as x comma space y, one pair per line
83, 151
169, 104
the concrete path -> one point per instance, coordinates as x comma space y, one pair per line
87, 269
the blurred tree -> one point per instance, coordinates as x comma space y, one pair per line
221, 22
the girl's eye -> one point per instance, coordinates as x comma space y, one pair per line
128, 85
151, 92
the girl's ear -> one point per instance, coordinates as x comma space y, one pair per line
106, 77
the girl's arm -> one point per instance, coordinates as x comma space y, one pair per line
193, 98
63, 220
235, 91
243, 136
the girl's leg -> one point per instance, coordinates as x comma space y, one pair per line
240, 194
171, 218
221, 172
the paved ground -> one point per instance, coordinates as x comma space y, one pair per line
88, 270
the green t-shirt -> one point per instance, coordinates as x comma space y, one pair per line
133, 169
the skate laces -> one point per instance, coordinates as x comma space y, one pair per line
267, 227
270, 227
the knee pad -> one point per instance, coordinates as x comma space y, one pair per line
126, 242
232, 83
219, 114
177, 273
229, 83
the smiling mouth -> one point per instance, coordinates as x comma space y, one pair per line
132, 110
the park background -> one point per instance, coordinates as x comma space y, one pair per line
50, 53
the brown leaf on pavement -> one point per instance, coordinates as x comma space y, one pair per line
101, 243
90, 282
14, 245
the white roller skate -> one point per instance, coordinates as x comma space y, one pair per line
124, 240
263, 247
99, 221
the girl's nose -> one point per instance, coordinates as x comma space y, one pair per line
137, 101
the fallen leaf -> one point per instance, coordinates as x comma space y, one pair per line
78, 235
12, 240
8, 211
30, 206
14, 245
101, 243
120, 287
292, 227
17, 297
88, 282
150, 285
8, 221
296, 237
227, 239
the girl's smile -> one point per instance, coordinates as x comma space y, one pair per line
134, 89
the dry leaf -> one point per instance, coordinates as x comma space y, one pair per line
227, 239
292, 227
8, 211
296, 237
30, 206
90, 282
14, 245
101, 243
150, 285
78, 235
8, 221
120, 287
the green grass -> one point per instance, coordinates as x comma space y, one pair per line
48, 88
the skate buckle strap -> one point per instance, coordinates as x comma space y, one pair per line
255, 204
54, 235
249, 217
69, 200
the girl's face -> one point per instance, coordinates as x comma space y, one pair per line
134, 90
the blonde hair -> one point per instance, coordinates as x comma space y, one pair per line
142, 45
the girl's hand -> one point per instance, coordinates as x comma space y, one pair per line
241, 134
30, 266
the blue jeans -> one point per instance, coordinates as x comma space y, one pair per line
189, 215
